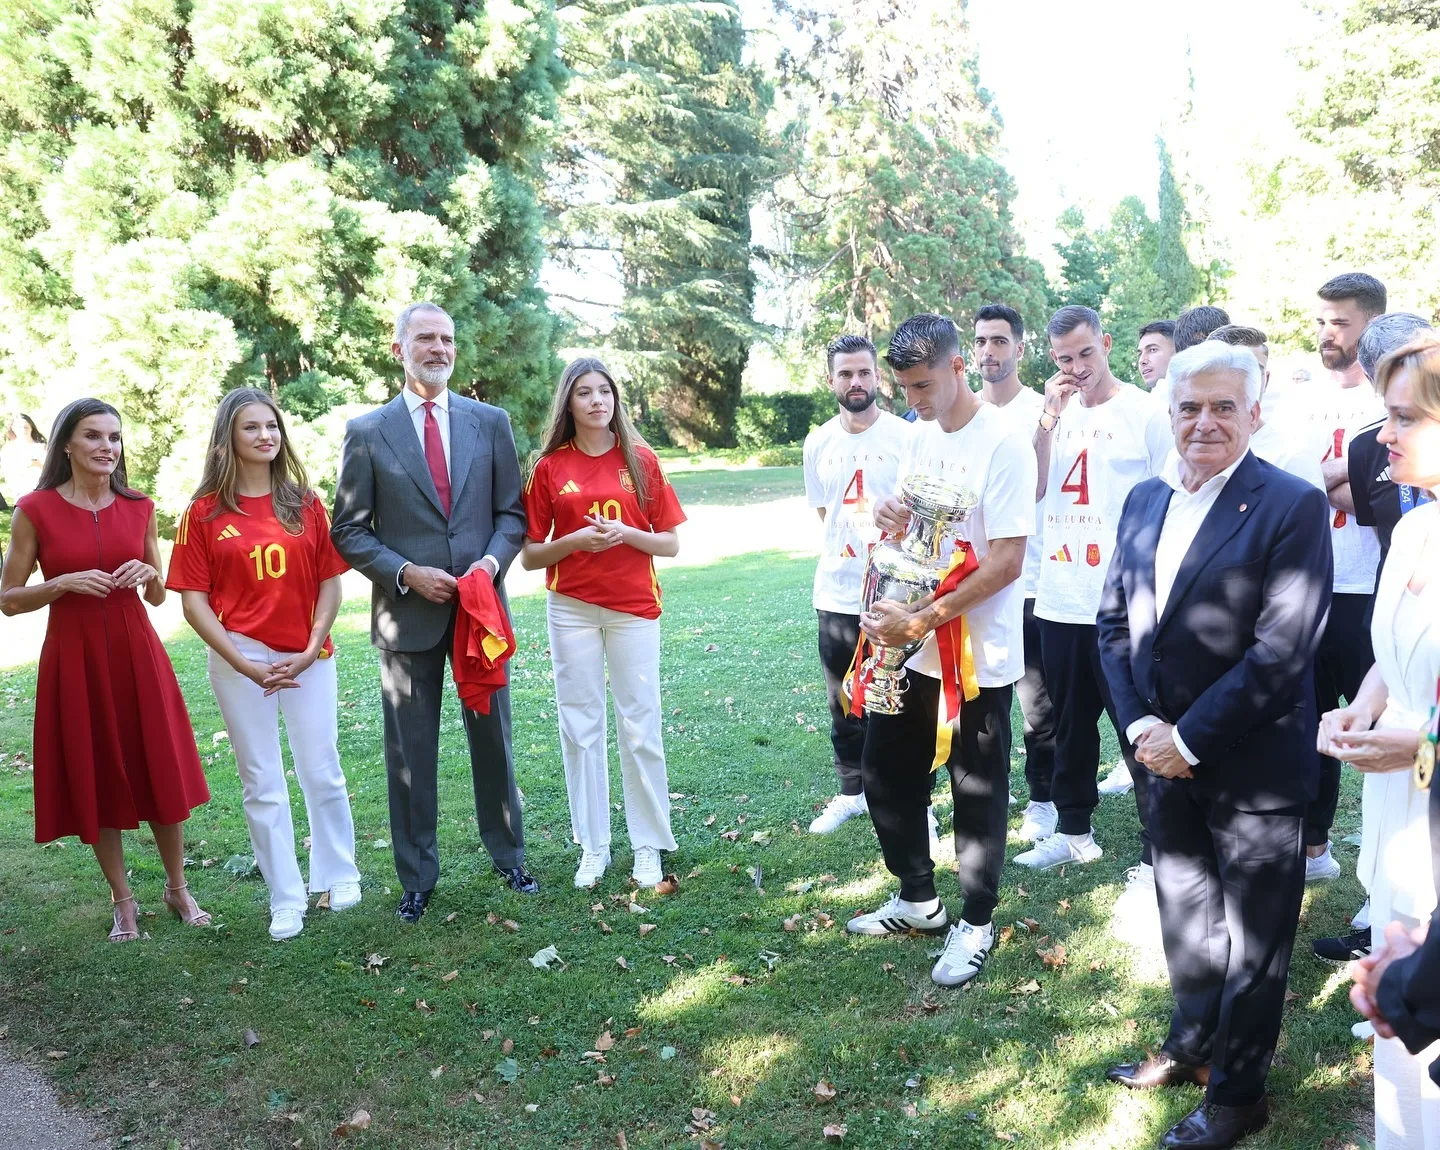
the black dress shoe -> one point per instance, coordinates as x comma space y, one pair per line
1346, 948
517, 878
1158, 1070
413, 905
1211, 1126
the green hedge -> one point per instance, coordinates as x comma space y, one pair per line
780, 417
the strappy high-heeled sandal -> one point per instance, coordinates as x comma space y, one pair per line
199, 918
122, 933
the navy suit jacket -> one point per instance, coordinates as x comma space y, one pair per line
1230, 662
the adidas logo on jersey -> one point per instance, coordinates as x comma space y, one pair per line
570, 488
230, 532
1384, 476
1062, 556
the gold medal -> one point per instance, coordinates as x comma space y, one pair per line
1424, 763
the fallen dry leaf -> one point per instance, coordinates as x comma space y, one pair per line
621, 1142
1055, 956
667, 885
605, 1080
452, 916
1031, 987
451, 977
57, 1055
508, 1046
1064, 905
421, 1004
695, 873
632, 1032
360, 1120
792, 923
646, 928
835, 1132
824, 1091
1006, 934
604, 926
511, 925
730, 836
621, 963
1030, 924
709, 820
439, 1070
1096, 964
668, 959
605, 1041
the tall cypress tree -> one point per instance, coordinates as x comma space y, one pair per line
666, 153
245, 191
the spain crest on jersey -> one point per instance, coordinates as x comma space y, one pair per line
1092, 554
625, 481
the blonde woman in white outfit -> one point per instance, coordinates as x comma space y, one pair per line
598, 510
1395, 854
260, 583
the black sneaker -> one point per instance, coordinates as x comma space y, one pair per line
1346, 948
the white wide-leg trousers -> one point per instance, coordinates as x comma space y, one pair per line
253, 721
585, 641
1407, 1102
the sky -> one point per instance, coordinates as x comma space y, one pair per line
1083, 98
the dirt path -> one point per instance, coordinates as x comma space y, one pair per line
32, 1119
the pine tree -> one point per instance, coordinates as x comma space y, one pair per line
666, 153
1179, 279
246, 191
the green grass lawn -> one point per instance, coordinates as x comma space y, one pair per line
722, 1020
730, 487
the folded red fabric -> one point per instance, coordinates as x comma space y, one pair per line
484, 640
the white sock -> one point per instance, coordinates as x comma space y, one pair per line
930, 906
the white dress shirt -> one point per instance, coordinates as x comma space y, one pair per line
416, 403
1183, 517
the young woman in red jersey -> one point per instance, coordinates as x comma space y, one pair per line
260, 582
113, 744
599, 509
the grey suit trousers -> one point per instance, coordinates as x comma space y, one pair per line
412, 685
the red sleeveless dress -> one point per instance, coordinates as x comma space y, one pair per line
113, 743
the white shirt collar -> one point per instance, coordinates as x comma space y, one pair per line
1171, 475
413, 400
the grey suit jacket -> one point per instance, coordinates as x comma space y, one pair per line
387, 512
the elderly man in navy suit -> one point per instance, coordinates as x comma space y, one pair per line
1212, 613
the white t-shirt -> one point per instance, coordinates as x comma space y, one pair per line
1326, 417
846, 474
1023, 412
1288, 452
1097, 454
997, 462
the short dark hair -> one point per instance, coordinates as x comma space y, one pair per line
1165, 327
1365, 290
843, 345
1194, 325
1006, 313
1238, 335
923, 339
1068, 318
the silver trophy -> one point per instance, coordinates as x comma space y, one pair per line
906, 570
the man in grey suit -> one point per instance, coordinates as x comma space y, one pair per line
429, 491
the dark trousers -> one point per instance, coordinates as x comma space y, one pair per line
895, 768
1078, 690
838, 636
412, 684
1340, 667
1038, 713
1229, 884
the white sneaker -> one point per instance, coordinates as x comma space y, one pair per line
1118, 781
648, 870
840, 809
1364, 1030
344, 895
1135, 918
1060, 849
286, 924
934, 833
966, 949
1322, 868
901, 917
593, 861
1039, 822
1361, 921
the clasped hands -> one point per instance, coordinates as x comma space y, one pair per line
1368, 971
1155, 749
1346, 734
131, 573
437, 585
279, 676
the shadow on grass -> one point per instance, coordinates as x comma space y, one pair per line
733, 1018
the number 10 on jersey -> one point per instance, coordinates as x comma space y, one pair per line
269, 561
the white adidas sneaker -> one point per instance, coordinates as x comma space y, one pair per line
1118, 781
898, 916
1060, 849
1323, 867
838, 811
1039, 822
593, 861
966, 949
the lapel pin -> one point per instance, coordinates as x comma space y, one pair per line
1243, 506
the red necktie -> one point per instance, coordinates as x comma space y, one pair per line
435, 456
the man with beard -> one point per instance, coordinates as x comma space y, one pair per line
429, 492
850, 463
1328, 413
1096, 439
999, 346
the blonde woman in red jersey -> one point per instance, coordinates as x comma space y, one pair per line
599, 509
260, 583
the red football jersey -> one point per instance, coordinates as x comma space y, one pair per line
568, 485
262, 581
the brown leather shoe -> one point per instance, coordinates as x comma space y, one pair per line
1211, 1126
1158, 1070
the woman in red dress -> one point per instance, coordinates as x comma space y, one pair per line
113, 744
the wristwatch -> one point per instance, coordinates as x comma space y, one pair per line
1054, 419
